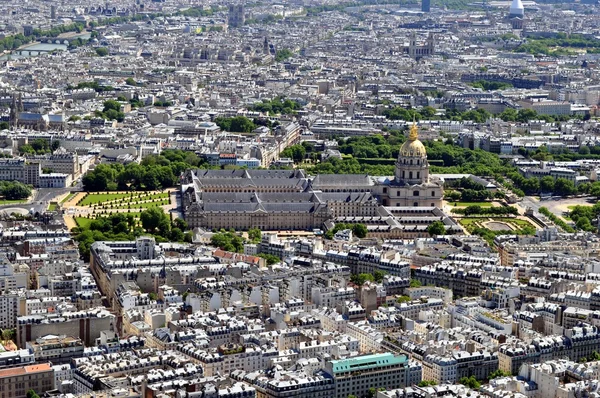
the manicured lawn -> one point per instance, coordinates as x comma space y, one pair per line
83, 222
101, 197
68, 197
52, 207
10, 202
117, 199
466, 204
469, 221
144, 205
472, 222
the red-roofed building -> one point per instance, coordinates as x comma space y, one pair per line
15, 382
231, 257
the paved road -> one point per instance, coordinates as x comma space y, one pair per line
41, 199
558, 207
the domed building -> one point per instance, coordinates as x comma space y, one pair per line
399, 206
516, 10
412, 186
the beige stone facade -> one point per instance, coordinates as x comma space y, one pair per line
288, 199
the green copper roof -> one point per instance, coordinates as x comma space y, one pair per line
367, 362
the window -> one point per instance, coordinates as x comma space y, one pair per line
416, 204
410, 175
432, 193
418, 174
416, 193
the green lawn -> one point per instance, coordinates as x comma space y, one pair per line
472, 222
83, 222
101, 197
118, 198
52, 207
68, 197
466, 204
144, 205
10, 202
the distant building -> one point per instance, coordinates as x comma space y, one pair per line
426, 5
15, 382
287, 199
516, 10
354, 376
416, 51
236, 16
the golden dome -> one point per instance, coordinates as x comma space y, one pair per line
413, 147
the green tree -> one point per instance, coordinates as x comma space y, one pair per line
360, 279
427, 383
255, 235
31, 394
102, 51
378, 276
470, 382
154, 218
436, 228
595, 189
270, 258
283, 54
415, 283
547, 184
228, 241
15, 190
498, 373
296, 152
564, 187
359, 230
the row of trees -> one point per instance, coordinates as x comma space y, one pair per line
552, 217
375, 146
491, 86
584, 215
359, 230
475, 115
111, 111
124, 226
360, 279
237, 124
278, 105
14, 190
154, 172
39, 146
492, 211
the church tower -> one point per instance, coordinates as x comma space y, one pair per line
412, 167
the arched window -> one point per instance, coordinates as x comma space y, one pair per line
411, 161
432, 193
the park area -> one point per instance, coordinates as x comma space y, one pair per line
124, 200
490, 227
83, 208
